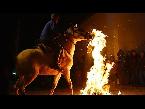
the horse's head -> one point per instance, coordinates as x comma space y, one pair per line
78, 34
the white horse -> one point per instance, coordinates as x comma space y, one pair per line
33, 62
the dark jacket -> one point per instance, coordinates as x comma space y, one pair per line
51, 30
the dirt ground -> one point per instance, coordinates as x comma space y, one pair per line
125, 90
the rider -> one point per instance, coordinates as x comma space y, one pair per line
50, 36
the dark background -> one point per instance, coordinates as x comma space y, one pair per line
21, 24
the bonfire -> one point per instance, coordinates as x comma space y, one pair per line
97, 77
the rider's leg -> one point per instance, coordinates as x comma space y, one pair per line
55, 64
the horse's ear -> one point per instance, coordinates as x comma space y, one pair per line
76, 27
70, 31
88, 36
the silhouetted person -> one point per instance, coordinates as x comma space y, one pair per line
133, 67
50, 36
141, 68
121, 66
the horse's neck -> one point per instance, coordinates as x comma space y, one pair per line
70, 47
72, 50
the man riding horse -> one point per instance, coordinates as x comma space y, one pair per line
31, 63
39, 61
50, 38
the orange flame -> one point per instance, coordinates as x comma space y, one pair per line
97, 77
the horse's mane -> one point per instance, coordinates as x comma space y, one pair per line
44, 48
61, 41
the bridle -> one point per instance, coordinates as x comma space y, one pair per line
71, 41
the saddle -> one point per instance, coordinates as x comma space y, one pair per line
44, 48
56, 54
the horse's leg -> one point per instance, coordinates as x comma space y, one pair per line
55, 82
23, 83
18, 86
25, 80
68, 79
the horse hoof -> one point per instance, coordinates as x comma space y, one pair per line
72, 92
18, 92
51, 92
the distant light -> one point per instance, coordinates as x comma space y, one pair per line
76, 25
14, 73
119, 93
105, 26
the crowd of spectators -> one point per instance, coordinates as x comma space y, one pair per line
129, 68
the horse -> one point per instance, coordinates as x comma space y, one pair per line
31, 63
